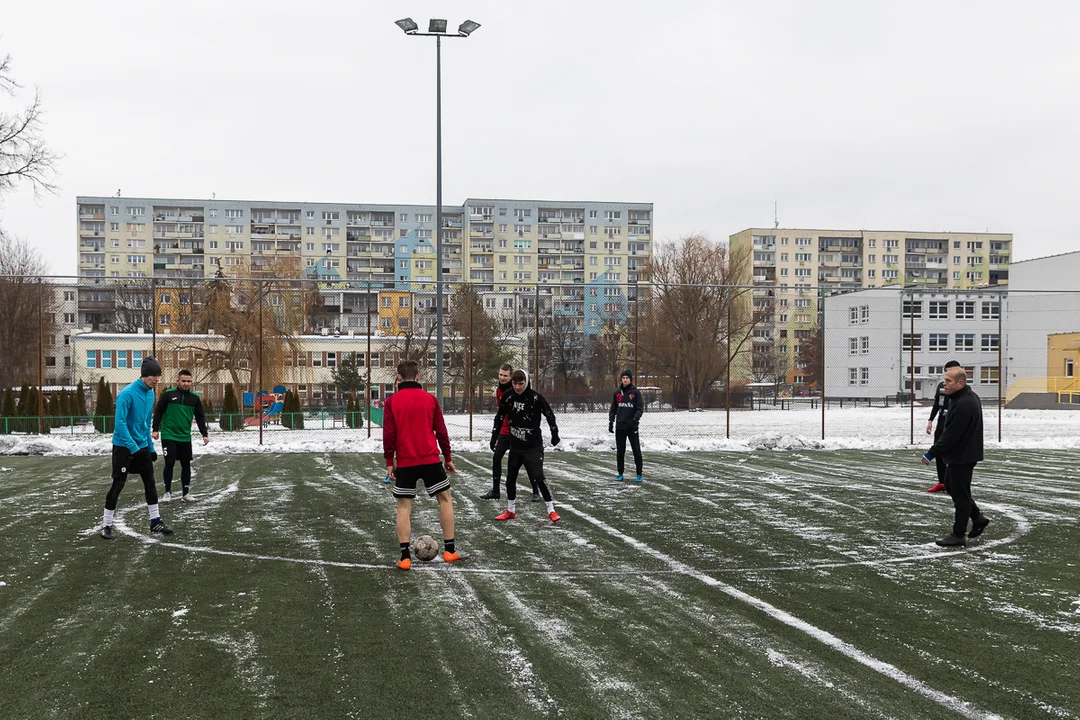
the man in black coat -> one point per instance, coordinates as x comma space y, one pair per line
961, 447
525, 407
939, 410
626, 409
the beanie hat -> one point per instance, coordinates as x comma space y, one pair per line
150, 367
626, 374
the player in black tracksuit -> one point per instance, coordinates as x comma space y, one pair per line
524, 407
626, 409
961, 446
504, 440
939, 410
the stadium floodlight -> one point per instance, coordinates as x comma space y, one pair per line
437, 30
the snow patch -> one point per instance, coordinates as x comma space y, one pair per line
180, 613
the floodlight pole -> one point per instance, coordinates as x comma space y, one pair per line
411, 29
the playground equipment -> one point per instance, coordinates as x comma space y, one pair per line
269, 403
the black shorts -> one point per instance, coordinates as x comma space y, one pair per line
433, 475
174, 450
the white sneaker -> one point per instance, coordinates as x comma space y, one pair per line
189, 498
166, 497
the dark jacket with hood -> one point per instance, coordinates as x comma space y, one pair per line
626, 407
962, 440
524, 412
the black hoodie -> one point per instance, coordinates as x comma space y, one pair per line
524, 412
626, 408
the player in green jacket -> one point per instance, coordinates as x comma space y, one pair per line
172, 422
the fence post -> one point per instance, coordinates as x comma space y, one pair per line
911, 360
258, 399
41, 359
727, 370
821, 353
536, 334
1001, 358
469, 372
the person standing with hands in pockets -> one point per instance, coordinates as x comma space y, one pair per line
626, 409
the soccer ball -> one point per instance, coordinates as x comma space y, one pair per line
425, 548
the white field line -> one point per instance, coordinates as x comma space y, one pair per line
890, 671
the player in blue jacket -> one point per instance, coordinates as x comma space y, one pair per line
133, 448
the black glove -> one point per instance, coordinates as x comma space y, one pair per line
153, 457
610, 428
554, 437
494, 441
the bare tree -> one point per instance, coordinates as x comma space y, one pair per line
24, 156
563, 340
697, 319
473, 342
24, 300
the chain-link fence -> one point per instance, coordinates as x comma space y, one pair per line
271, 355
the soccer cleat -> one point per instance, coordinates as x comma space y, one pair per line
451, 557
386, 479
638, 478
507, 515
160, 528
536, 497
619, 479
938, 487
404, 564
553, 516
166, 497
978, 526
950, 540
189, 498
107, 533
490, 495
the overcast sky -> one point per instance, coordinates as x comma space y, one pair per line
850, 114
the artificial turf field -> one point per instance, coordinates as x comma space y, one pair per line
727, 585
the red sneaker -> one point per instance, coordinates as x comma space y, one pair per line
938, 487
405, 564
554, 516
507, 515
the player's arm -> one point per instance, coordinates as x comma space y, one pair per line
389, 435
438, 424
500, 415
121, 433
937, 403
200, 420
545, 408
614, 408
159, 412
639, 407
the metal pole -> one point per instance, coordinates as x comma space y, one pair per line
727, 369
369, 369
536, 333
438, 222
472, 379
258, 398
637, 301
153, 318
821, 352
41, 360
1001, 360
911, 361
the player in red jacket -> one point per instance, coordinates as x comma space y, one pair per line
412, 424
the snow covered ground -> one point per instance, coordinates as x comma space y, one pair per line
852, 428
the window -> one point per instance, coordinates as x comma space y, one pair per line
871, 258
853, 346
956, 260
403, 302
802, 257
309, 231
91, 358
939, 310
165, 318
69, 318
990, 342
387, 302
864, 313
864, 376
965, 309
1070, 367
864, 345
502, 227
213, 229
136, 358
939, 342
234, 213
804, 242
106, 359
991, 310
913, 309
956, 275
965, 342
121, 359
853, 376
988, 375
386, 323
136, 211
404, 217
114, 209
330, 215
234, 229
908, 346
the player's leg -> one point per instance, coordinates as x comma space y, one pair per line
513, 467
145, 468
168, 449
620, 450
184, 456
405, 490
120, 460
501, 446
534, 466
635, 446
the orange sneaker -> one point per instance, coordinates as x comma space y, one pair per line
404, 564
554, 516
454, 556
507, 515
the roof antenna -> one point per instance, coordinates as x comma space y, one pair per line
776, 215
